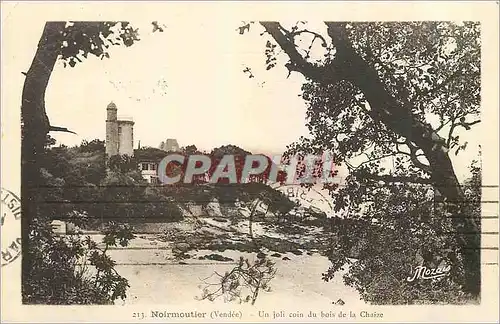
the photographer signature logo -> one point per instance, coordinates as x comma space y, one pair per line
422, 272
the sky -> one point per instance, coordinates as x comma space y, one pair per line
186, 83
177, 84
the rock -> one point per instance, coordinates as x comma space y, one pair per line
195, 210
296, 252
261, 255
213, 208
286, 258
217, 257
182, 247
276, 255
339, 302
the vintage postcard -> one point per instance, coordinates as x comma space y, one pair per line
249, 161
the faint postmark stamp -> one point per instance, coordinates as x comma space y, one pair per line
11, 226
308, 200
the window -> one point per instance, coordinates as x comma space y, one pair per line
152, 166
144, 166
154, 180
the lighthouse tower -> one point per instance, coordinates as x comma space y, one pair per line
111, 130
119, 133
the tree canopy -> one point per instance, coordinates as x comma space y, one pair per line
387, 98
70, 42
382, 93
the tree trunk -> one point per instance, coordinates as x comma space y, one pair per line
396, 118
35, 127
250, 218
350, 66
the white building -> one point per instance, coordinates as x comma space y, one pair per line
170, 145
149, 171
149, 158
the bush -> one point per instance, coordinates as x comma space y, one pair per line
402, 228
71, 270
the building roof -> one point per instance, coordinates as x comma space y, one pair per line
125, 122
112, 106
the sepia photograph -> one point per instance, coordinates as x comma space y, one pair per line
221, 168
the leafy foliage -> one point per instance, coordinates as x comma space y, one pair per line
92, 146
49, 262
73, 270
243, 283
122, 163
149, 154
78, 177
190, 149
79, 39
427, 76
398, 228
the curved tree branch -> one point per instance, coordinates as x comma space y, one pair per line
60, 129
297, 62
348, 65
